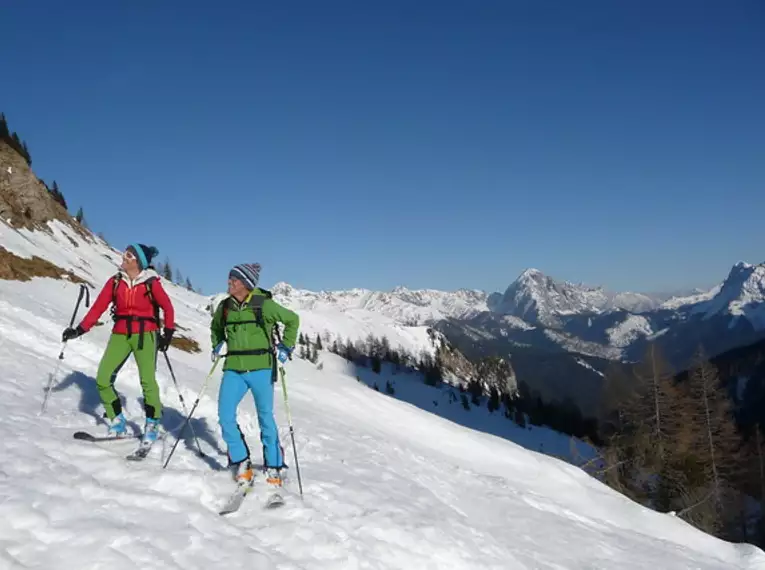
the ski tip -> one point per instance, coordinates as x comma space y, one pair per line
83, 435
274, 501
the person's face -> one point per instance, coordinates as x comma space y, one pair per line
236, 288
129, 261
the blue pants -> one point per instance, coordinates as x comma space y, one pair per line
234, 386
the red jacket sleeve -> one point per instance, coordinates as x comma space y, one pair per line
98, 307
165, 304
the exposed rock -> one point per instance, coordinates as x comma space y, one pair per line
25, 202
15, 268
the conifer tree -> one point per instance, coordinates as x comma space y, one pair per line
708, 444
57, 195
167, 270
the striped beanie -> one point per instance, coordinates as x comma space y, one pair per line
247, 273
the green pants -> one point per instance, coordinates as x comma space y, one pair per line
117, 352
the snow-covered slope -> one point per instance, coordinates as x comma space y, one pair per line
386, 485
627, 331
675, 303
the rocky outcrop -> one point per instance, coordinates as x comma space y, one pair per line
457, 370
25, 201
15, 268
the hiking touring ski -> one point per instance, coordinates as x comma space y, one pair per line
237, 498
85, 436
274, 500
141, 452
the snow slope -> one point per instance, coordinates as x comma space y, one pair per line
625, 332
386, 485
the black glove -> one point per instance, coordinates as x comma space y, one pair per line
163, 342
71, 333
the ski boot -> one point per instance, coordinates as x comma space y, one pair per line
244, 474
150, 432
150, 435
275, 482
274, 478
117, 426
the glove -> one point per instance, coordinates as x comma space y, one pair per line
163, 342
71, 333
283, 352
216, 351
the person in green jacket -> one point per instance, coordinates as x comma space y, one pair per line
245, 321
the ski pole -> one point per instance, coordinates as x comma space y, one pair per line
282, 374
183, 404
84, 292
194, 407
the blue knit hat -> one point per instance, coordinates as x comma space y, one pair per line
247, 273
143, 253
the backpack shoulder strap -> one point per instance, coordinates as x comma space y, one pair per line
153, 301
256, 304
225, 302
115, 284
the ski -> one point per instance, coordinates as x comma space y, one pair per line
236, 499
85, 436
144, 448
274, 500
139, 454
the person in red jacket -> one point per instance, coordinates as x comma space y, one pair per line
136, 294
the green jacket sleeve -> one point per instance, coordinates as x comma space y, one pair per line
217, 331
289, 318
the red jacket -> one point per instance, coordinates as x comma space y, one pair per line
132, 301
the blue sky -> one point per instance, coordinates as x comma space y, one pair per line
428, 144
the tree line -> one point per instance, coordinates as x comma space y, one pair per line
491, 383
14, 140
673, 442
174, 275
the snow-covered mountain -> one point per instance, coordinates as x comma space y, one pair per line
385, 483
405, 306
741, 295
532, 297
538, 317
540, 299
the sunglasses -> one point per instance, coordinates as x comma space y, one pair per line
129, 256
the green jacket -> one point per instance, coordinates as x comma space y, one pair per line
246, 336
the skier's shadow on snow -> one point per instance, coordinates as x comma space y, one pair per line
172, 421
90, 402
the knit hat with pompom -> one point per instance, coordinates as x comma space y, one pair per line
143, 253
